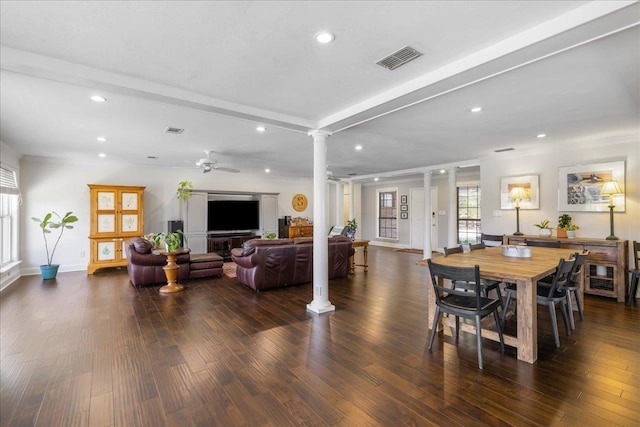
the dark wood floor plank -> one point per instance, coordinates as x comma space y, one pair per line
94, 350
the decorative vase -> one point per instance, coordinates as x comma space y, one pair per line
571, 234
545, 232
562, 232
49, 271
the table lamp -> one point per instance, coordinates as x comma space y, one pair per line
517, 194
611, 188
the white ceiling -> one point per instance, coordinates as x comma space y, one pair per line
570, 69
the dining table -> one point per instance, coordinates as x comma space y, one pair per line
525, 272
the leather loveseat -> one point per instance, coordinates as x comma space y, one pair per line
265, 264
145, 268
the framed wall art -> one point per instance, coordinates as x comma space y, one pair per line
404, 208
531, 186
403, 199
579, 187
404, 215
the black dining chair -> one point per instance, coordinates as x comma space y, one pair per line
457, 303
550, 294
491, 239
542, 243
476, 246
573, 286
635, 273
485, 285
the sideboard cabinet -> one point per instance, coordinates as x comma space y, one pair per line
606, 266
293, 231
117, 215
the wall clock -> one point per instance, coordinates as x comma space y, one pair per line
299, 202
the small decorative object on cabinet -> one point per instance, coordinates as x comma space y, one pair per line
50, 270
545, 229
566, 227
117, 214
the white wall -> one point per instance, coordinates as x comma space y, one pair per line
592, 224
61, 187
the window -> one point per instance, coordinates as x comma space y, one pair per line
9, 197
387, 214
469, 214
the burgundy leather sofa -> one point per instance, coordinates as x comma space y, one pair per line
145, 268
265, 264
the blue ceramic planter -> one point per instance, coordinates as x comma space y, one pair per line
49, 271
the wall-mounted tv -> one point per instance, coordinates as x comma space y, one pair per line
233, 215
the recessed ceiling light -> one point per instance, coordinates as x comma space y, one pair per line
476, 109
541, 135
102, 139
98, 98
442, 171
267, 170
102, 155
324, 37
358, 147
376, 179
261, 129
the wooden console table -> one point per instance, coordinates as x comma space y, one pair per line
223, 243
358, 243
606, 266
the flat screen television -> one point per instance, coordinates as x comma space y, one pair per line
233, 215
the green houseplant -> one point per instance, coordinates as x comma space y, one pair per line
352, 227
53, 221
170, 240
566, 227
545, 228
184, 191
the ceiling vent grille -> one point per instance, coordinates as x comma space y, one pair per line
502, 150
398, 58
173, 130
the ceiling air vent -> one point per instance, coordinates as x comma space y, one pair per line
502, 150
398, 58
173, 130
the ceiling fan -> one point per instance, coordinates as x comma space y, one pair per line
207, 164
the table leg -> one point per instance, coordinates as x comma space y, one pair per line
366, 257
171, 271
527, 321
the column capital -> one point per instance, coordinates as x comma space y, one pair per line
319, 134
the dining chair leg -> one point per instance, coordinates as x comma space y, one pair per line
434, 327
495, 314
565, 317
570, 309
633, 289
479, 341
577, 294
457, 326
554, 323
505, 309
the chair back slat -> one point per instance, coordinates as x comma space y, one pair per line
636, 254
477, 246
491, 239
454, 250
580, 259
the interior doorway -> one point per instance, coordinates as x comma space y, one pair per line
417, 218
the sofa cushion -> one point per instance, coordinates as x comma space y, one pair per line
142, 246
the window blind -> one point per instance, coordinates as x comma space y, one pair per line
8, 182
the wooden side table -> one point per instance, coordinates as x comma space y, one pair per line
171, 270
358, 243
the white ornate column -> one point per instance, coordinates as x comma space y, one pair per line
320, 303
452, 230
426, 252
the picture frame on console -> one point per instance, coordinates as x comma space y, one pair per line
527, 182
580, 186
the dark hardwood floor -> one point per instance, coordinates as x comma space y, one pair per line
94, 351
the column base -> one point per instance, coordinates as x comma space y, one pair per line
320, 308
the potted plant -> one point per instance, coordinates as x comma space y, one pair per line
50, 270
170, 240
184, 191
269, 236
571, 230
565, 223
545, 228
352, 227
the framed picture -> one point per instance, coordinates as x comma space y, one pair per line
106, 200
129, 201
129, 223
404, 208
403, 199
531, 185
106, 223
579, 187
404, 215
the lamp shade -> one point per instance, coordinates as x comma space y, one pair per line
610, 188
518, 193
